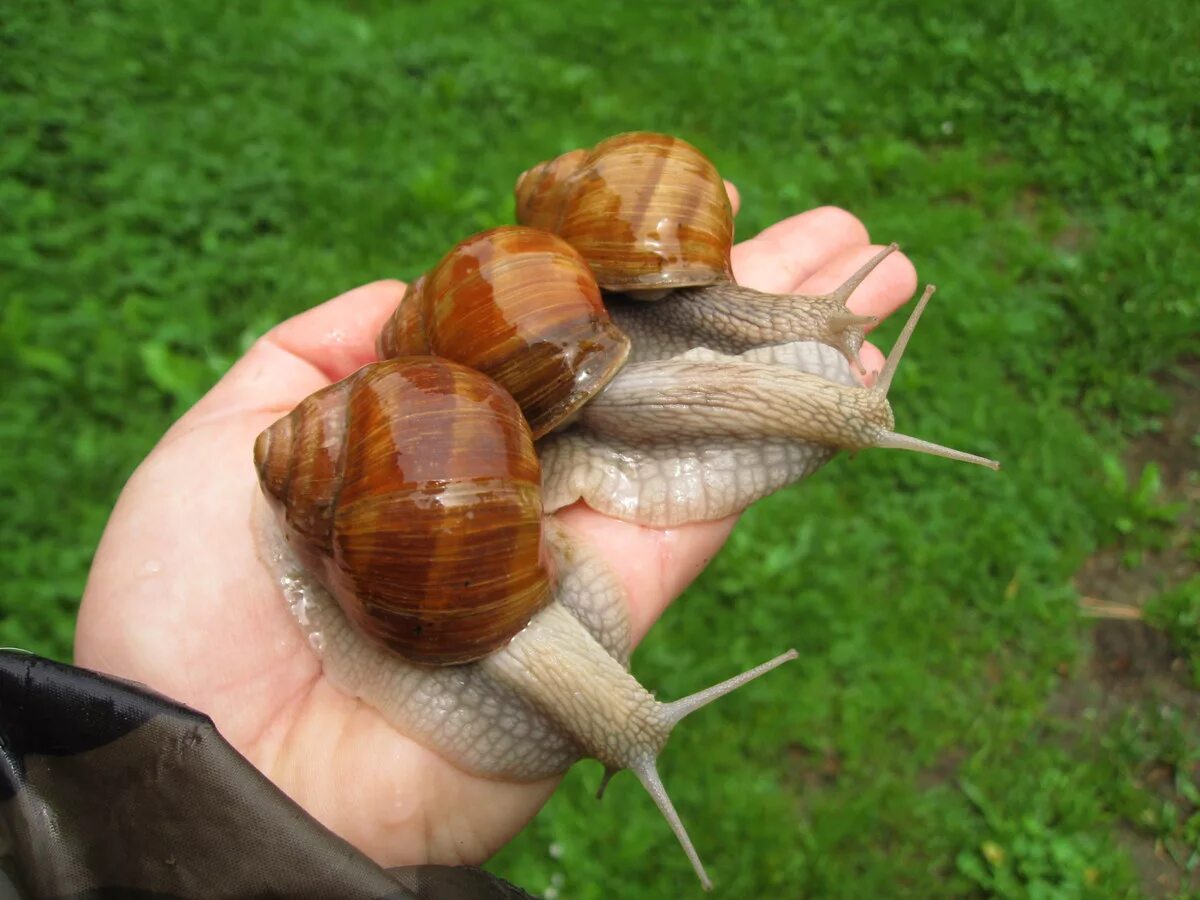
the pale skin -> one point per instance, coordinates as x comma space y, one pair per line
178, 599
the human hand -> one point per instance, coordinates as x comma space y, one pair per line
178, 599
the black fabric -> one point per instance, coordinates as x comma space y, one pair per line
108, 790
50, 710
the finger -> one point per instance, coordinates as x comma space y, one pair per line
735, 197
338, 337
790, 251
303, 354
885, 290
872, 360
654, 565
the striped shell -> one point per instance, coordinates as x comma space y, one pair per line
647, 211
519, 305
412, 492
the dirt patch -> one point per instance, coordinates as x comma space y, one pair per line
1158, 873
1132, 671
1107, 584
1130, 654
944, 769
1070, 235
1174, 448
814, 768
1131, 667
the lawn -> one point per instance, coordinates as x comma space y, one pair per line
175, 178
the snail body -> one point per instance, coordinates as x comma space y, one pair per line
409, 491
732, 319
650, 214
702, 435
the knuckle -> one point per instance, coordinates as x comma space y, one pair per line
834, 220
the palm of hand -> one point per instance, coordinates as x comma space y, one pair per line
178, 599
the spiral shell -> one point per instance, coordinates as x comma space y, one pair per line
521, 306
411, 490
648, 212
537, 189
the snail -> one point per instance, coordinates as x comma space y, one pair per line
669, 439
410, 492
521, 306
703, 435
650, 214
416, 547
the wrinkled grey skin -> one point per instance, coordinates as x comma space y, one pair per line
700, 436
464, 712
558, 691
718, 405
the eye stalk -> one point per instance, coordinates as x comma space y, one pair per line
883, 383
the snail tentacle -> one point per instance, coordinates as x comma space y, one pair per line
731, 318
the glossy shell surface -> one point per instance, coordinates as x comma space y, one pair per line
647, 211
521, 306
412, 491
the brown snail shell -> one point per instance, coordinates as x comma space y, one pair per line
537, 203
442, 455
521, 306
647, 211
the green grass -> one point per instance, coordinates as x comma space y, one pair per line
174, 179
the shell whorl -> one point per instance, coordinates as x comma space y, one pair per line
411, 490
537, 194
520, 305
647, 211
